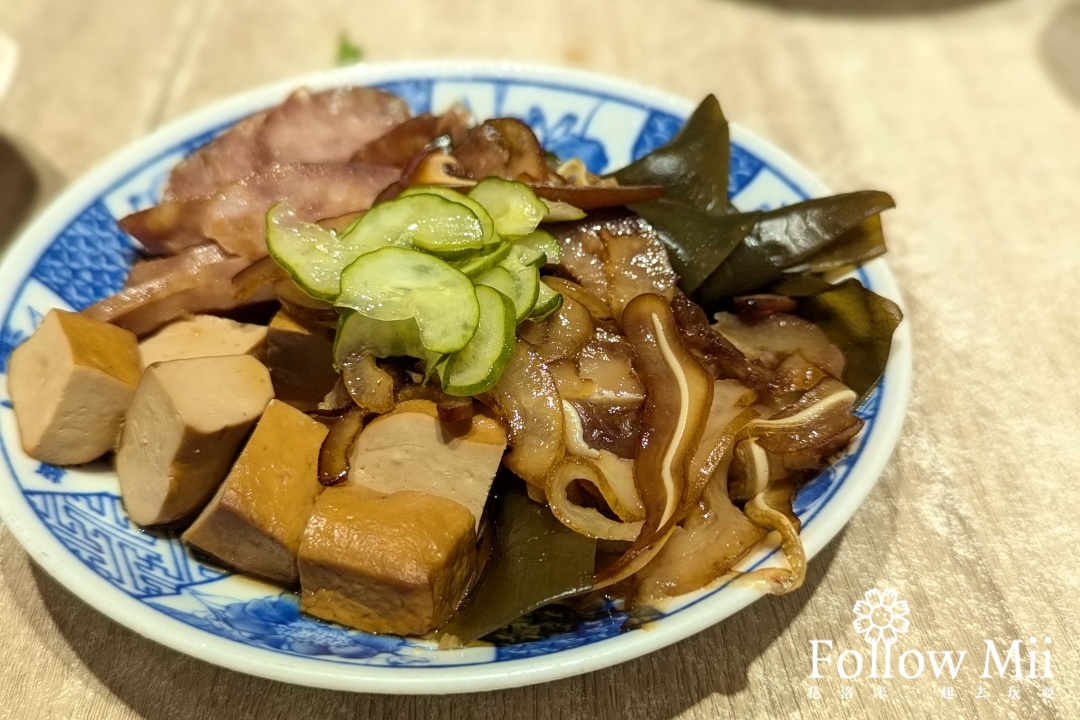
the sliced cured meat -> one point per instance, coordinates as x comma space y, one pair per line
235, 217
407, 140
196, 281
229, 156
328, 127
322, 127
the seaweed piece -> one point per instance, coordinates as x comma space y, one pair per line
795, 234
719, 252
857, 320
862, 243
693, 166
534, 560
698, 243
696, 220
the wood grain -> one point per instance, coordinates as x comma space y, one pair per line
964, 110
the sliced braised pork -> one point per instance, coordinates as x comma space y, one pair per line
329, 126
235, 217
322, 127
197, 280
229, 156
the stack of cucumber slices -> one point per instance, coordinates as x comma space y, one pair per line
435, 274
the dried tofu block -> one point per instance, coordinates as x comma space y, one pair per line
301, 361
397, 563
183, 430
255, 521
410, 449
203, 336
70, 385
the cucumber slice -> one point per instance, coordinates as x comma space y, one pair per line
526, 255
526, 280
426, 221
352, 226
359, 334
478, 365
312, 256
546, 246
559, 211
398, 284
490, 236
547, 302
512, 205
500, 279
478, 264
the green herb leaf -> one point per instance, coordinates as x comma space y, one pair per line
348, 52
534, 560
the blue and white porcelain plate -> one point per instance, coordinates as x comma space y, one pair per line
72, 522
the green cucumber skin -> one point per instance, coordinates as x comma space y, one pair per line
500, 279
315, 258
296, 246
548, 302
478, 366
413, 288
479, 264
398, 284
513, 206
491, 238
526, 278
358, 334
543, 243
427, 221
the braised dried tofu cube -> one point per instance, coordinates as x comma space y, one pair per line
70, 385
410, 449
203, 336
301, 361
183, 431
255, 521
397, 563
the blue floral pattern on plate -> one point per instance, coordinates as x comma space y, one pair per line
568, 138
89, 258
275, 623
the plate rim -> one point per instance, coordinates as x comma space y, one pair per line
23, 254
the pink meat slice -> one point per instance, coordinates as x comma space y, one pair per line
198, 280
235, 217
229, 156
328, 127
406, 140
322, 127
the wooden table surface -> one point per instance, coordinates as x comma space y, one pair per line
967, 111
